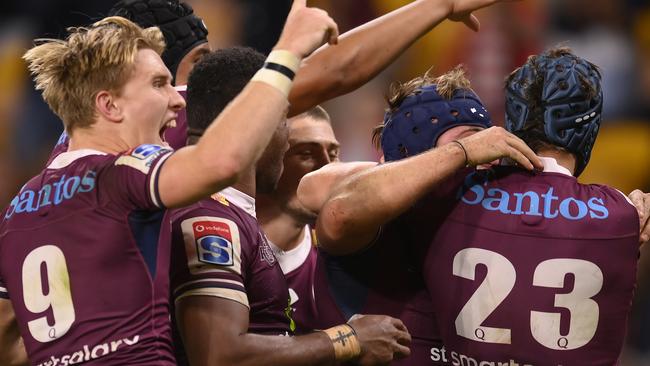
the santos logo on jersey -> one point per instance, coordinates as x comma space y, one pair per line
532, 203
52, 193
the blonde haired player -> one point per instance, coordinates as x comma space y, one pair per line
81, 263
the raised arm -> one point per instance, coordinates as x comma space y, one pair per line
359, 205
12, 350
368, 49
316, 187
214, 332
236, 139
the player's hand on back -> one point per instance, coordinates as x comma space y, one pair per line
461, 10
382, 339
307, 29
496, 143
642, 203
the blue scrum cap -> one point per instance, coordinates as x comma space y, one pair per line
570, 111
415, 125
182, 29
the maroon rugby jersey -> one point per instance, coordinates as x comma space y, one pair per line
84, 260
529, 269
299, 268
219, 250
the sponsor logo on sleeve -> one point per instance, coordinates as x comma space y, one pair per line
142, 157
142, 152
213, 242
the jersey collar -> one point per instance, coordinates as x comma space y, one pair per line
64, 159
291, 259
240, 199
551, 166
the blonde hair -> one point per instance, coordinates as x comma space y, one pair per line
446, 84
101, 57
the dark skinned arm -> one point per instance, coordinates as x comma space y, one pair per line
215, 332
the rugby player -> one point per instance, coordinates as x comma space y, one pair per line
379, 280
288, 225
82, 268
523, 268
230, 295
330, 72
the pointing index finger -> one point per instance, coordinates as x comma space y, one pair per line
299, 4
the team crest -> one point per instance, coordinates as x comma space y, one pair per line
266, 254
221, 199
213, 242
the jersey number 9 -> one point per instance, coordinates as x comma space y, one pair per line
52, 292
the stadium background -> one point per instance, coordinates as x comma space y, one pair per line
614, 34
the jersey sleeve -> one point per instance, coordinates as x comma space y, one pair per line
132, 178
214, 245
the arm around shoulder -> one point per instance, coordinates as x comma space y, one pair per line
315, 187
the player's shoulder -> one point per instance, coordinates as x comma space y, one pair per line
619, 205
213, 206
216, 233
608, 191
214, 215
142, 157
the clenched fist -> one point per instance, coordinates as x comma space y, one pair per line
382, 339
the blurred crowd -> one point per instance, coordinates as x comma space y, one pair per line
614, 34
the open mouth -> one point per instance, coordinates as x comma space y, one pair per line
165, 127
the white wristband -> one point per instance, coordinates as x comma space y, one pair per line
278, 71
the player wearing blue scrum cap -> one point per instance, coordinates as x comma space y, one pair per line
422, 113
522, 268
566, 112
423, 110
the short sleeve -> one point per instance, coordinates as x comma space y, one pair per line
132, 178
215, 260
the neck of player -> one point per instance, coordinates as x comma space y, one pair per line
95, 139
246, 182
282, 229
